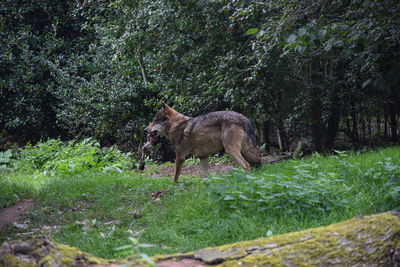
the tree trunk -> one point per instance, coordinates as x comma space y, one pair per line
350, 134
333, 126
282, 139
385, 131
393, 123
362, 241
363, 130
267, 138
379, 124
370, 130
354, 118
317, 127
141, 65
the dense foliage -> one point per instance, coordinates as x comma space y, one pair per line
308, 184
314, 73
308, 188
56, 158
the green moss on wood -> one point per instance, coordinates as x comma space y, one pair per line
11, 260
367, 239
43, 251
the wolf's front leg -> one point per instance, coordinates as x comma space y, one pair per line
203, 167
178, 167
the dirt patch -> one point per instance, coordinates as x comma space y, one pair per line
15, 214
191, 170
220, 167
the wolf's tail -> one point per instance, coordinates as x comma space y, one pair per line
249, 147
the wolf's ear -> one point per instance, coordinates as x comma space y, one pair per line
164, 107
168, 111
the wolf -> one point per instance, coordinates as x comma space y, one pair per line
205, 135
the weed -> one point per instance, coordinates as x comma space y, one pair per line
308, 188
135, 250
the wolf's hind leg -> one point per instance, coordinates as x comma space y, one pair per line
203, 167
232, 141
239, 159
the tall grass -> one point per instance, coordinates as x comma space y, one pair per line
99, 211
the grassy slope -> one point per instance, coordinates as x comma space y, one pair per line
98, 212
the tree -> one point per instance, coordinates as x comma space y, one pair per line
331, 48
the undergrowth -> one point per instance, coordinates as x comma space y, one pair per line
98, 210
55, 157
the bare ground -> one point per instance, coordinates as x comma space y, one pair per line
220, 167
15, 214
190, 170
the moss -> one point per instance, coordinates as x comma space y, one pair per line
71, 256
95, 260
369, 239
10, 260
47, 261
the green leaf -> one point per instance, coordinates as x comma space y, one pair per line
252, 31
229, 197
147, 259
291, 39
144, 245
243, 197
322, 33
123, 247
7, 153
269, 233
365, 83
214, 196
302, 31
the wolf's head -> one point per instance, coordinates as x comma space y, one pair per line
157, 126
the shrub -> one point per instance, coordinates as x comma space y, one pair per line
308, 188
388, 172
5, 159
54, 157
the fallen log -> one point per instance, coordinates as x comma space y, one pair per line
362, 241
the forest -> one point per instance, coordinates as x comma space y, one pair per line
316, 75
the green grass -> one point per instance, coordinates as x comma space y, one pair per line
98, 212
15, 186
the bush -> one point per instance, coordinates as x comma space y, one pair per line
307, 188
5, 159
54, 157
388, 172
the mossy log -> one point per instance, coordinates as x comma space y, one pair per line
362, 241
